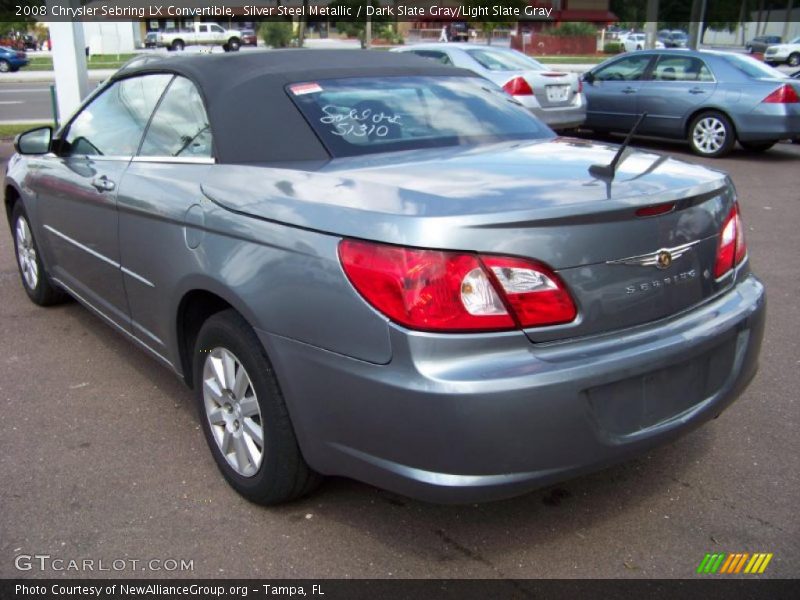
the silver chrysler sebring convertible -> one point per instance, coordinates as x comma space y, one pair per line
375, 266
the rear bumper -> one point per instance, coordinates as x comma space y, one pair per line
769, 122
562, 117
479, 417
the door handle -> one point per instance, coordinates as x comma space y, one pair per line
629, 90
697, 91
103, 184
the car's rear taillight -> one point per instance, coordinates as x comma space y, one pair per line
434, 290
731, 248
535, 294
786, 94
518, 87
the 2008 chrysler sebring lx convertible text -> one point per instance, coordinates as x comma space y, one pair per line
370, 265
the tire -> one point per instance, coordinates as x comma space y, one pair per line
178, 45
757, 146
279, 473
234, 44
711, 134
794, 59
5, 66
35, 279
749, 49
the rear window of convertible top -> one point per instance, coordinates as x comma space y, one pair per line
357, 116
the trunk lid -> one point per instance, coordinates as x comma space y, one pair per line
532, 199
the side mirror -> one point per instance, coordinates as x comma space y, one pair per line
588, 77
35, 141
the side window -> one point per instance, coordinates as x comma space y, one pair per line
681, 68
202, 28
434, 55
114, 122
180, 125
216, 29
630, 68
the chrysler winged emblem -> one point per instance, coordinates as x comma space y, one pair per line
660, 259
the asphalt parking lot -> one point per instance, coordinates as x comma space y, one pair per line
101, 457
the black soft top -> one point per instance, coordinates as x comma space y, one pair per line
252, 118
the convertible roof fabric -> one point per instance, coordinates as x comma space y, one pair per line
252, 118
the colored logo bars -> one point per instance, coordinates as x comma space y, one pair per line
740, 562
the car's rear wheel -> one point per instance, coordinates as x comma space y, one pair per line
178, 45
757, 146
34, 277
5, 66
234, 44
711, 134
794, 59
243, 414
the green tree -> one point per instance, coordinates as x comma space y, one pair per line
277, 34
358, 28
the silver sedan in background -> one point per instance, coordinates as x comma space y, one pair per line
554, 97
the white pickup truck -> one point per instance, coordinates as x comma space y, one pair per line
201, 34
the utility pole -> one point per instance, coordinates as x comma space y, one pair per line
651, 24
69, 61
368, 34
696, 23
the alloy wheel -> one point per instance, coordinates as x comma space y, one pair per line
709, 135
233, 413
4, 66
26, 254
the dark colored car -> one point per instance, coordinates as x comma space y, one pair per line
762, 42
12, 60
711, 99
151, 39
389, 270
29, 42
249, 37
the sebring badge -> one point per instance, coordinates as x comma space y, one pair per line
660, 259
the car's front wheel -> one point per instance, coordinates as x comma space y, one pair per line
234, 44
34, 277
794, 59
711, 134
5, 66
243, 414
178, 45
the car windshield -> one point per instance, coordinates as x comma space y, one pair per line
503, 60
752, 67
383, 114
678, 36
795, 41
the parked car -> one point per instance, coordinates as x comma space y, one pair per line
788, 53
203, 34
761, 43
420, 286
634, 41
12, 60
675, 39
554, 97
151, 39
711, 99
29, 42
249, 37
